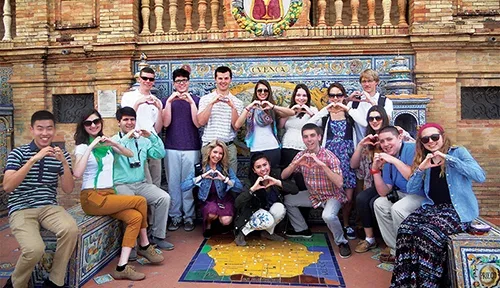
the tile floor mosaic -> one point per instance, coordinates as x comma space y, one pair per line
304, 262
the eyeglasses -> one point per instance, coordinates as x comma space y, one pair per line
375, 118
181, 81
88, 123
433, 137
336, 95
147, 79
260, 90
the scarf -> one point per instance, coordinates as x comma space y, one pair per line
262, 118
99, 152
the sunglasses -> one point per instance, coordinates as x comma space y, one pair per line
375, 118
262, 90
433, 137
336, 95
181, 81
88, 123
147, 79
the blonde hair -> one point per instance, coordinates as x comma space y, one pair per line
207, 150
369, 74
421, 152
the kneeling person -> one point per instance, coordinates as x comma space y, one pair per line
323, 178
129, 177
261, 206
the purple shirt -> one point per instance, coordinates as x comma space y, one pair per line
182, 134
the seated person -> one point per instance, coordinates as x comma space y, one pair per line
31, 177
323, 178
445, 173
216, 180
394, 204
261, 206
130, 178
95, 155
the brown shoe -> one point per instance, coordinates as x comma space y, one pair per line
364, 246
151, 254
128, 273
386, 256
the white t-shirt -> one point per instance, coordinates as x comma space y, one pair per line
264, 138
105, 179
147, 114
292, 139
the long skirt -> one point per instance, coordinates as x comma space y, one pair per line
421, 246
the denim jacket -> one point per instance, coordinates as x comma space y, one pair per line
461, 169
206, 183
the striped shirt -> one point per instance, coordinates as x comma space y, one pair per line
321, 189
219, 123
39, 187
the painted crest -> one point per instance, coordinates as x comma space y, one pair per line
266, 17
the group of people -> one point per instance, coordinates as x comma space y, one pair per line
419, 191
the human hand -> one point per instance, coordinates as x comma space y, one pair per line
266, 105
46, 151
432, 160
59, 155
378, 162
371, 139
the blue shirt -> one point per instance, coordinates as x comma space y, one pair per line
461, 169
391, 174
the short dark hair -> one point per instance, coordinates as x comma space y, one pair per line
42, 115
255, 157
312, 126
223, 69
180, 73
125, 111
391, 129
147, 70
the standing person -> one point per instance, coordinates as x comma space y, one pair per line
94, 155
323, 177
362, 161
218, 112
148, 108
31, 179
391, 170
215, 181
445, 173
362, 101
260, 207
129, 176
260, 118
339, 137
292, 142
182, 148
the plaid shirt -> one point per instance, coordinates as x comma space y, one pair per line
320, 187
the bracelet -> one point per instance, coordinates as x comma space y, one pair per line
246, 108
273, 107
373, 172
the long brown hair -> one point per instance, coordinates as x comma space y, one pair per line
270, 97
224, 162
421, 152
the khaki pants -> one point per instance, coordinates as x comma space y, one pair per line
132, 210
25, 226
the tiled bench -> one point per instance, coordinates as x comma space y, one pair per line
474, 260
99, 241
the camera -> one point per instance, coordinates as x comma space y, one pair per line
197, 170
135, 164
393, 195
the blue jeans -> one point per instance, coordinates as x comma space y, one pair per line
178, 165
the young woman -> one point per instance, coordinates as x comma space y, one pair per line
291, 141
339, 137
261, 206
446, 173
362, 160
214, 184
260, 117
94, 163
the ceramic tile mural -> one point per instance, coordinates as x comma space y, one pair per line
5, 89
99, 241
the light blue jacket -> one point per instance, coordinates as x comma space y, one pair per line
206, 183
461, 169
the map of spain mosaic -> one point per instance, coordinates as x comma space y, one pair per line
304, 262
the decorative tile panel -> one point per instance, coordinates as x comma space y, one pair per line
5, 88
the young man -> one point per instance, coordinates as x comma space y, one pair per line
218, 112
148, 109
363, 101
129, 175
31, 177
323, 178
182, 148
394, 205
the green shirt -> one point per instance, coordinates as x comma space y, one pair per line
143, 148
